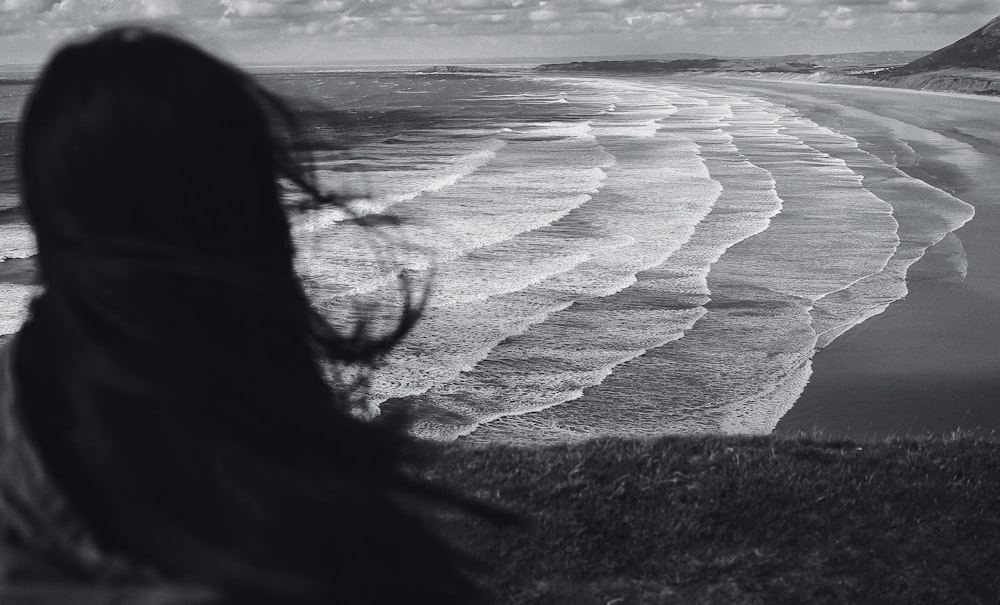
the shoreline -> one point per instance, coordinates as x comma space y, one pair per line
930, 363
874, 84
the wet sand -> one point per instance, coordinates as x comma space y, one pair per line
930, 364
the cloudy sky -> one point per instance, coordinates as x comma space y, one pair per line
327, 31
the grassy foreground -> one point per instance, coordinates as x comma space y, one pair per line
738, 520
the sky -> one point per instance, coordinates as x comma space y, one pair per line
280, 32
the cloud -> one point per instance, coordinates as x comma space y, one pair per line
951, 7
841, 17
22, 6
396, 16
658, 25
543, 15
759, 12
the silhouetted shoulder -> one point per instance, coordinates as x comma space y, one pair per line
45, 552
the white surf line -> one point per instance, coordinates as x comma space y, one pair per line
567, 434
548, 222
849, 173
599, 376
449, 260
729, 150
609, 164
621, 286
383, 386
17, 241
903, 130
14, 299
760, 412
949, 226
431, 249
716, 150
746, 415
9, 200
955, 151
512, 329
335, 180
756, 412
860, 181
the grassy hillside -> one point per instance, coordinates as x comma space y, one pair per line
739, 520
980, 49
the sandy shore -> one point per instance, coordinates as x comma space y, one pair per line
930, 364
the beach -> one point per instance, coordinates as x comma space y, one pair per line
929, 364
637, 257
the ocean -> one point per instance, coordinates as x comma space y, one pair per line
602, 256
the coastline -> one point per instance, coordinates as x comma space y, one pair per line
958, 83
929, 364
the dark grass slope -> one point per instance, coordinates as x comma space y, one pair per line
739, 520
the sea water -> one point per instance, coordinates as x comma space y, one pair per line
602, 256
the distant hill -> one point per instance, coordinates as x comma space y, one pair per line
791, 64
980, 50
844, 63
970, 66
455, 69
857, 60
669, 56
646, 66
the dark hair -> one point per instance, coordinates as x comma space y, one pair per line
172, 370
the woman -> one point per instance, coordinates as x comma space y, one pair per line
168, 430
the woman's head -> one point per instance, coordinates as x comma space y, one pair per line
138, 142
172, 371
